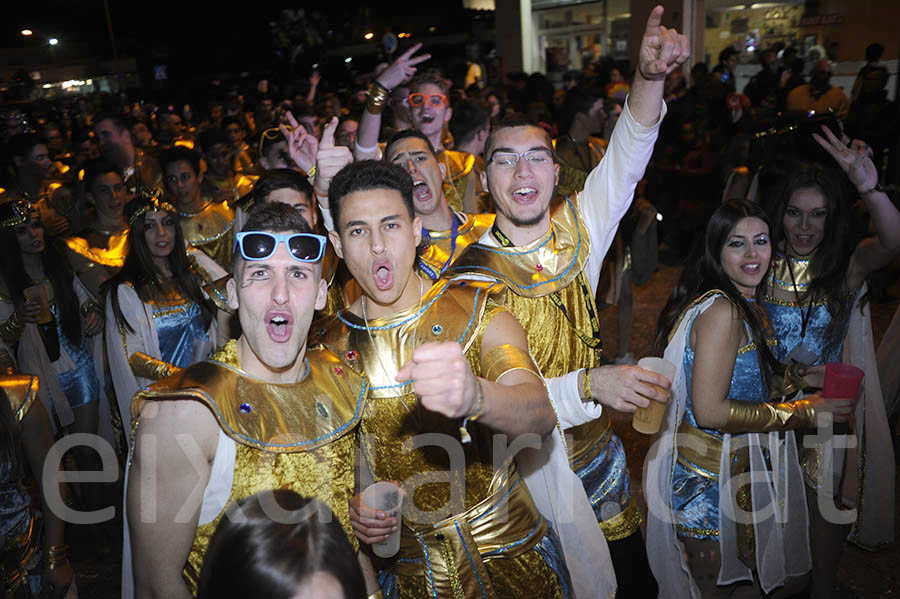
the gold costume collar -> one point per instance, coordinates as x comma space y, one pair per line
780, 276
302, 416
437, 252
113, 255
543, 266
208, 224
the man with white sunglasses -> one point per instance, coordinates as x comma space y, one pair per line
265, 412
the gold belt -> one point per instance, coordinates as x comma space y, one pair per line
694, 460
451, 553
624, 523
589, 439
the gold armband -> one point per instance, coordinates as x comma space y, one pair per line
378, 95
11, 330
745, 417
506, 358
146, 367
787, 383
376, 595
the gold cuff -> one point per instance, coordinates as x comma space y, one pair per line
89, 306
787, 383
11, 330
505, 358
376, 595
586, 393
147, 367
745, 417
378, 95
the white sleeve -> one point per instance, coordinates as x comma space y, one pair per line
566, 396
609, 188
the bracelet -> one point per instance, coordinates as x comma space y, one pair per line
876, 187
363, 150
89, 306
586, 393
311, 172
474, 415
376, 595
56, 556
378, 95
11, 330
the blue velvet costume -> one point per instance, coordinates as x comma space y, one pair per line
695, 490
177, 326
80, 384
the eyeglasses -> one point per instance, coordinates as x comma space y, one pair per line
432, 99
533, 157
259, 245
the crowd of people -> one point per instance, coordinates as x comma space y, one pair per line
264, 309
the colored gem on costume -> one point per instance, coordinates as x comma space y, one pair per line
437, 330
539, 267
462, 284
245, 408
440, 537
338, 370
352, 355
321, 409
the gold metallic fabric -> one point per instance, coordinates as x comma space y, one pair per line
149, 367
437, 252
20, 389
548, 264
211, 229
624, 523
105, 250
782, 268
459, 167
744, 417
694, 460
506, 358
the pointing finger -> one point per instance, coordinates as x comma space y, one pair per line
291, 120
418, 59
327, 140
413, 49
654, 20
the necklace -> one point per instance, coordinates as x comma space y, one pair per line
372, 340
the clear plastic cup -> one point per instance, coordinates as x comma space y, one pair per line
649, 420
388, 498
39, 292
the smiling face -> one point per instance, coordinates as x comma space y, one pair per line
428, 118
159, 232
804, 221
30, 236
427, 173
746, 254
378, 240
276, 299
523, 192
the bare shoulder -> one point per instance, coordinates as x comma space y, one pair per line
722, 319
504, 328
170, 418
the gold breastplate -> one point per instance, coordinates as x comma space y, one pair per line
211, 230
439, 249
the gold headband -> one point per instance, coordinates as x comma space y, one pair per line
15, 213
154, 204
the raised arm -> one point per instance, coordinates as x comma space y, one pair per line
174, 447
399, 71
329, 160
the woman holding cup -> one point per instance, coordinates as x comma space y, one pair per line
815, 297
157, 318
714, 431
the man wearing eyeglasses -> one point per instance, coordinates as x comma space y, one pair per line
549, 251
265, 412
206, 224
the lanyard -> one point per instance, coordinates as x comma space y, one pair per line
454, 233
593, 341
804, 316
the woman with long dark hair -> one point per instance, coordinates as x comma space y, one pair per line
279, 545
815, 297
718, 338
157, 318
61, 344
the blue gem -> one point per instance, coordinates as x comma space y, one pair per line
440, 537
461, 284
245, 408
437, 330
321, 409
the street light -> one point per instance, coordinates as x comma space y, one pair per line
27, 32
369, 35
53, 41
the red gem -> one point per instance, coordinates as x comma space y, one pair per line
351, 355
338, 370
539, 267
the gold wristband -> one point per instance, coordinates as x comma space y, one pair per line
745, 417
586, 393
11, 330
378, 95
479, 404
376, 595
151, 368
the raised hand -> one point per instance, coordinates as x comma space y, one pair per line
302, 146
329, 160
854, 160
662, 49
402, 69
442, 379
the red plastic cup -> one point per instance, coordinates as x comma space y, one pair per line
841, 380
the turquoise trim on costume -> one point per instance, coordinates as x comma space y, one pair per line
396, 324
471, 561
427, 565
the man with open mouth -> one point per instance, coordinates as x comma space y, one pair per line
266, 412
549, 252
451, 377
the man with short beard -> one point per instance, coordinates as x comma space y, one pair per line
549, 252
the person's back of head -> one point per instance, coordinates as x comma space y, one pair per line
468, 121
874, 52
279, 545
